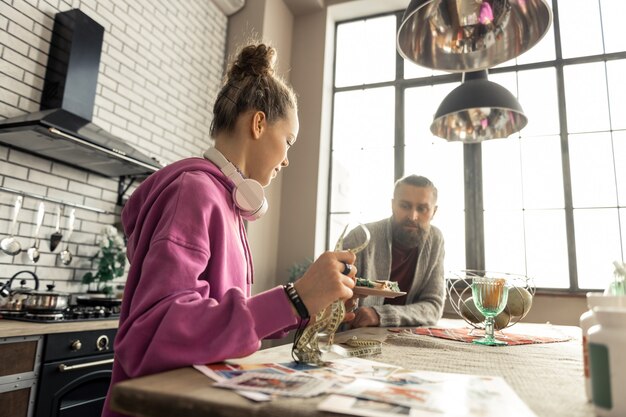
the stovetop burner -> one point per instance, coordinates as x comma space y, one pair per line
44, 316
71, 313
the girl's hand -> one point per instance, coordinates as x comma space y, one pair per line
324, 281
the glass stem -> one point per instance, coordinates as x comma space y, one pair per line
489, 327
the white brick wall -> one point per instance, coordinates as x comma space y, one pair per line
160, 71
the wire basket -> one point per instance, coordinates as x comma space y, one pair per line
521, 293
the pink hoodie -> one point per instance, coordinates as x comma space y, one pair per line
187, 297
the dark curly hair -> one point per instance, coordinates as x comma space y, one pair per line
251, 84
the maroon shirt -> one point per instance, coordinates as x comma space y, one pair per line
403, 263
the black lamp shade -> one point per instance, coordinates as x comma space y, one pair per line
470, 35
478, 110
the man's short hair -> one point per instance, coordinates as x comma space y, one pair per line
416, 181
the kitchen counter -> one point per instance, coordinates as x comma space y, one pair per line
11, 328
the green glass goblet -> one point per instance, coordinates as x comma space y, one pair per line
490, 296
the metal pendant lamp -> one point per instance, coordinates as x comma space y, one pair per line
478, 110
470, 35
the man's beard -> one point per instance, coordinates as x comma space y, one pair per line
409, 237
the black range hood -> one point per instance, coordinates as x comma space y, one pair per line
63, 130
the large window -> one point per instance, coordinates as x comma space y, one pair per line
554, 194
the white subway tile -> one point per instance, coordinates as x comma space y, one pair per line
16, 171
8, 101
14, 38
47, 179
29, 160
67, 171
83, 189
14, 15
25, 186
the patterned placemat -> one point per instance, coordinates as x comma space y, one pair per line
468, 335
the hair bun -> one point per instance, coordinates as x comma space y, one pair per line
253, 60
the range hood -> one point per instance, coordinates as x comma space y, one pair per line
63, 130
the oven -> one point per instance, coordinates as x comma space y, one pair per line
75, 373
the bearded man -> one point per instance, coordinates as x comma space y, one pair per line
407, 249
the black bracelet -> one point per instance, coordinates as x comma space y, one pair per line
296, 301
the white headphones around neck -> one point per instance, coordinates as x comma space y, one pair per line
248, 194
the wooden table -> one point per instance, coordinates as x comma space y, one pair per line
548, 377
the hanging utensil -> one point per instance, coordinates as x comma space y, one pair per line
33, 251
66, 255
55, 238
9, 244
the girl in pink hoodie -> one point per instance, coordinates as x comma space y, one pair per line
187, 298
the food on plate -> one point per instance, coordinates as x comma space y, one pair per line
378, 284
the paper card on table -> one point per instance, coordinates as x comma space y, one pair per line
367, 408
363, 368
431, 393
280, 384
222, 371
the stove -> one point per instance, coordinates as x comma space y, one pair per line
71, 313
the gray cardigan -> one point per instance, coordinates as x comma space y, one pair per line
425, 298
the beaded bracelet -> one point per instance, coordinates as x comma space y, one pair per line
296, 301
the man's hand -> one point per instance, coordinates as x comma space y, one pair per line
350, 305
366, 317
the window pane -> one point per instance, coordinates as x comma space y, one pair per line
451, 222
617, 92
587, 106
504, 241
421, 104
502, 182
619, 149
337, 223
359, 189
613, 12
425, 154
597, 246
593, 176
541, 109
366, 51
542, 172
442, 163
580, 28
546, 248
364, 119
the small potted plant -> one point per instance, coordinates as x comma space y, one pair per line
110, 261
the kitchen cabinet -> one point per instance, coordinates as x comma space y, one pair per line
20, 362
22, 347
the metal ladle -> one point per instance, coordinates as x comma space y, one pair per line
66, 255
33, 251
9, 244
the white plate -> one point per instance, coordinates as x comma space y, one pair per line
380, 293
